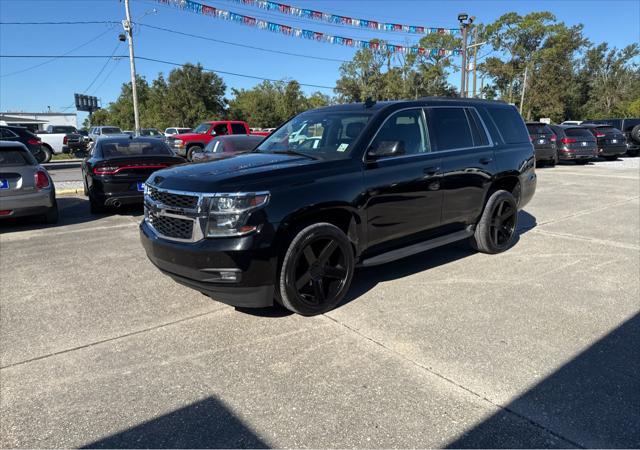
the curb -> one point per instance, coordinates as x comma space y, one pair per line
69, 191
63, 161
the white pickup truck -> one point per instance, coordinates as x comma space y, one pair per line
58, 139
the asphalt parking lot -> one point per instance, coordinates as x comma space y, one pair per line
535, 347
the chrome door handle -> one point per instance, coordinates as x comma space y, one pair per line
485, 160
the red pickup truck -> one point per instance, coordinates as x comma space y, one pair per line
188, 143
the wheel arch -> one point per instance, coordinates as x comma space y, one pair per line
343, 216
508, 181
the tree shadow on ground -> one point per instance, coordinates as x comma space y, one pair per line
204, 424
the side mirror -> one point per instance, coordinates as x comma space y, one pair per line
385, 149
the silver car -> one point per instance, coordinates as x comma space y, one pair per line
26, 189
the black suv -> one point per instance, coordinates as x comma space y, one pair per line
544, 143
336, 187
629, 127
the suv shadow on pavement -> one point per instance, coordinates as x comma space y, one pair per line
207, 423
366, 278
590, 402
73, 211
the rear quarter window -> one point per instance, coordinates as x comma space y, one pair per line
238, 128
16, 157
510, 125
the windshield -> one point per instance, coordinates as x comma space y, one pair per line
323, 134
202, 128
149, 132
61, 129
111, 130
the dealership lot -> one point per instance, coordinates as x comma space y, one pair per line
536, 347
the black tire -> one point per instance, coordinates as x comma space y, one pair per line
96, 207
191, 150
52, 215
582, 162
46, 153
496, 230
633, 153
610, 158
553, 162
316, 270
635, 134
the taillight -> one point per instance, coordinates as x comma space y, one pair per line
531, 138
599, 134
34, 141
568, 141
64, 140
42, 180
5, 212
553, 138
116, 168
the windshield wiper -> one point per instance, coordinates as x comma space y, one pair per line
292, 152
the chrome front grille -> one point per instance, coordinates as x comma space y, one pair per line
176, 215
171, 226
170, 199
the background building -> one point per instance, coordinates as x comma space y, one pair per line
38, 121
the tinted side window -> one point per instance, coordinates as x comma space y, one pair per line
238, 128
408, 128
450, 128
5, 133
479, 135
510, 124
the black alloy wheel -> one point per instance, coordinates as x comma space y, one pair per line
496, 229
317, 270
503, 223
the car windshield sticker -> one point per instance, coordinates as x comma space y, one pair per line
342, 147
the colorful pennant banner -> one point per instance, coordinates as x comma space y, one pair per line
344, 20
199, 8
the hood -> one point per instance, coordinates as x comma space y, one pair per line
227, 173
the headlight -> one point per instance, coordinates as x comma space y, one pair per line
178, 143
228, 213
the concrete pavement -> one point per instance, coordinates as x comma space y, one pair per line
536, 347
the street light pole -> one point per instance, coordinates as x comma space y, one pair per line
475, 59
126, 24
465, 22
463, 66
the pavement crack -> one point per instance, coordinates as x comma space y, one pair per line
114, 338
455, 383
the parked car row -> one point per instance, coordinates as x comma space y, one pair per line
582, 142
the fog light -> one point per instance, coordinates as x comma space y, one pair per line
229, 276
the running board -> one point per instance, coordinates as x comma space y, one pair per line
418, 248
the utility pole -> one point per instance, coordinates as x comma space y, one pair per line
475, 58
465, 22
126, 24
524, 86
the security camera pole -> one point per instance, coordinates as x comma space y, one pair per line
126, 24
465, 21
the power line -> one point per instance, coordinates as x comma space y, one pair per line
115, 49
57, 57
223, 72
241, 45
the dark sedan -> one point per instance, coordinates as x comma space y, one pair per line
611, 142
26, 137
544, 143
225, 146
575, 143
116, 169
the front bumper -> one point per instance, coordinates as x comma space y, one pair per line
28, 204
198, 265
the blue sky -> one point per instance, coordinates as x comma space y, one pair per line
615, 21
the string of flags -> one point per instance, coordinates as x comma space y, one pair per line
210, 11
344, 20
